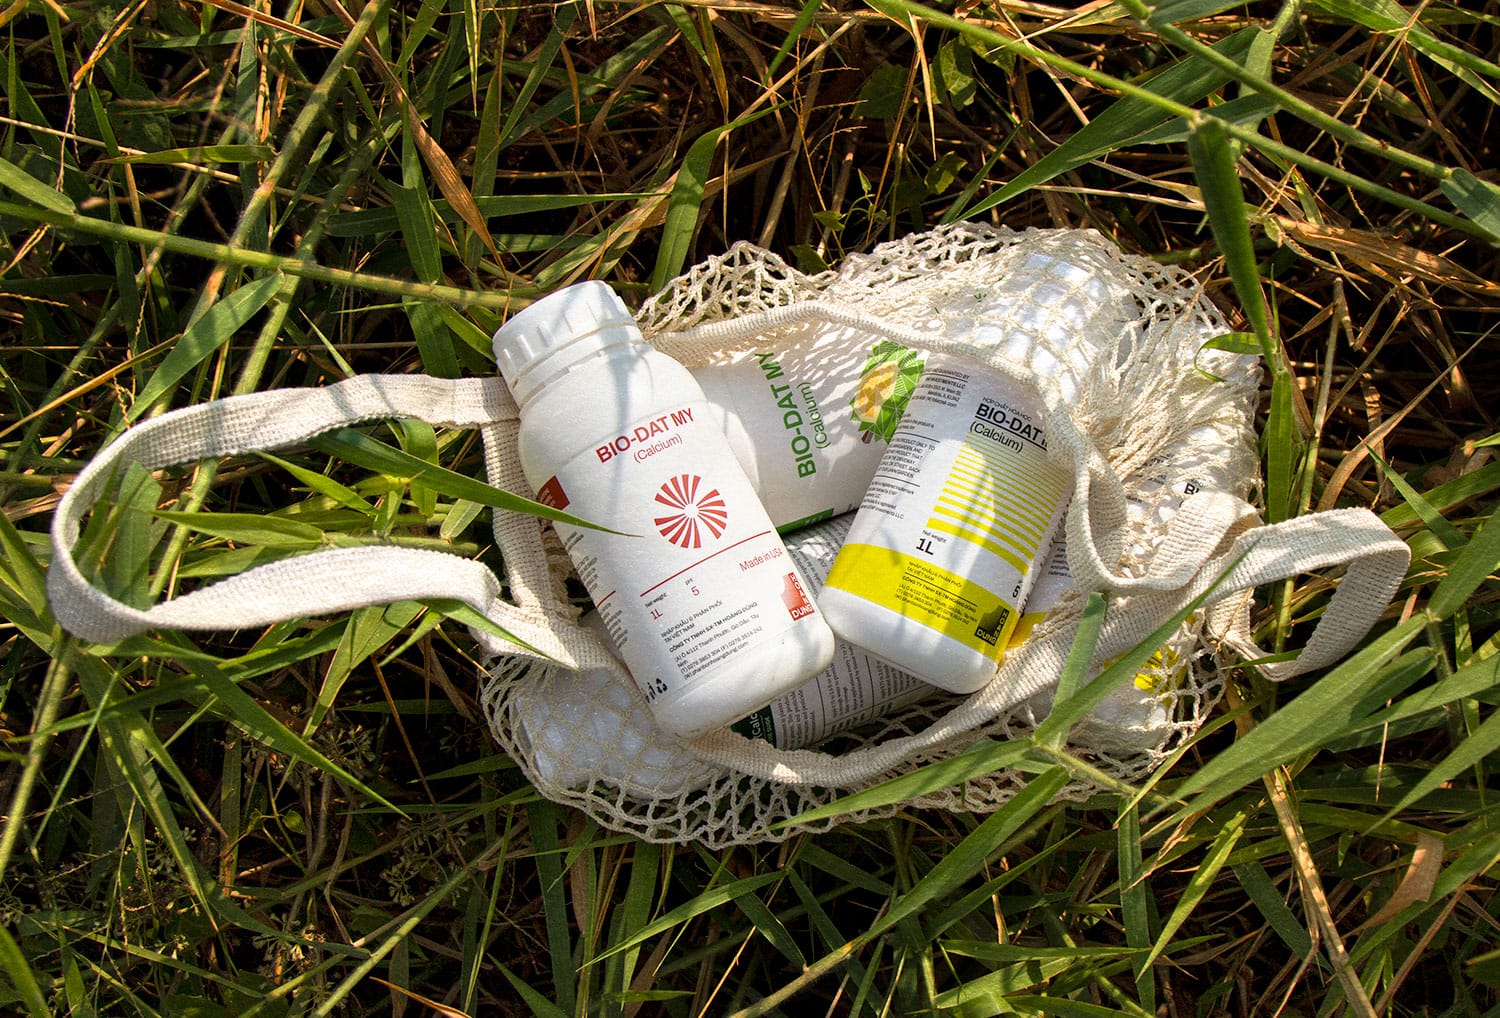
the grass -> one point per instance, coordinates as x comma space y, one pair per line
200, 200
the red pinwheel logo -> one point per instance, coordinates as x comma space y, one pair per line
692, 513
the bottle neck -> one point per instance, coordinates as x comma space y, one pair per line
527, 379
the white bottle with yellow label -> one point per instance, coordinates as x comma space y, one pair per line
966, 500
938, 561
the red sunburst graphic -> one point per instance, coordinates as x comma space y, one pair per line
692, 513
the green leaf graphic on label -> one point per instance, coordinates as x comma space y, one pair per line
885, 384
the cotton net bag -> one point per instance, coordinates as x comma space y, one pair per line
1154, 422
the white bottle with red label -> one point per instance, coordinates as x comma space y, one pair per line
696, 589
586, 726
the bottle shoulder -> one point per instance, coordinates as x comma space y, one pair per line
602, 398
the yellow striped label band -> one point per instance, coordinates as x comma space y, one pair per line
957, 607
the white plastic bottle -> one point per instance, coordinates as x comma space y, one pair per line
965, 500
810, 416
588, 725
697, 591
946, 541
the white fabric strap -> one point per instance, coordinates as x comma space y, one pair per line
1376, 561
317, 583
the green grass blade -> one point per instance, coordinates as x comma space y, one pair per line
1135, 899
1478, 199
537, 1002
982, 758
372, 454
125, 570
1124, 668
24, 184
1281, 443
216, 154
706, 901
687, 199
20, 568
208, 334
324, 485
1080, 660
540, 68
369, 630
992, 992
1435, 700
606, 74
805, 15
1063, 1007
968, 856
1262, 892
376, 221
22, 979
419, 240
1245, 112
1348, 693
635, 909
245, 713
542, 819
247, 528
1448, 496
1473, 751
1451, 536
1389, 17
1197, 887
1129, 121
772, 928
1214, 167
1472, 567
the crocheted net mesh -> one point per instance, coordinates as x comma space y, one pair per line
1141, 391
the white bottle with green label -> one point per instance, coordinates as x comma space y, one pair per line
810, 416
945, 544
696, 589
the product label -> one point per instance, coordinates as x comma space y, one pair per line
698, 574
974, 615
857, 688
818, 411
801, 416
1051, 583
963, 502
886, 382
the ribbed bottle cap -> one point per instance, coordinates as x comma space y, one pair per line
564, 326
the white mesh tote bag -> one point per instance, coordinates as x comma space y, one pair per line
1155, 428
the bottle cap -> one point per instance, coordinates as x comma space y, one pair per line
562, 328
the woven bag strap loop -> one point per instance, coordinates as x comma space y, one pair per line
321, 582
1375, 562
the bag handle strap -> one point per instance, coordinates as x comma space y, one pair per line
1375, 560
321, 582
